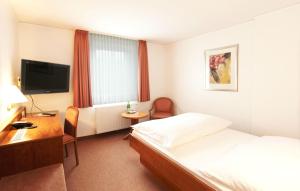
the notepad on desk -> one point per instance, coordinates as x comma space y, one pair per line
19, 135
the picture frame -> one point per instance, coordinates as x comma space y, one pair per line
221, 68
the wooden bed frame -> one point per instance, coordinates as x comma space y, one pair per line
170, 173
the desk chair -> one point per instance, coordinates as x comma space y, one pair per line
70, 130
161, 108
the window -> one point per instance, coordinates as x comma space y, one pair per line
113, 65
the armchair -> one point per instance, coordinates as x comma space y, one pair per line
161, 108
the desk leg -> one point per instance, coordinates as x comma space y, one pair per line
133, 122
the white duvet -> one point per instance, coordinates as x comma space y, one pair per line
264, 164
245, 164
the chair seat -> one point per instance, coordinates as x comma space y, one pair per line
160, 115
68, 138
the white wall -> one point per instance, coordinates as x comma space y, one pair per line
8, 49
56, 45
51, 45
188, 69
276, 83
267, 102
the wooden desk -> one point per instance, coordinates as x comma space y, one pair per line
40, 146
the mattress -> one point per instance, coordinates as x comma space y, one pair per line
198, 153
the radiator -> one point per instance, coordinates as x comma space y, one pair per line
108, 118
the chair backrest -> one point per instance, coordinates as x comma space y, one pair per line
71, 121
163, 104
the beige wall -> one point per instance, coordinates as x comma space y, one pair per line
188, 82
276, 65
56, 45
267, 102
8, 49
46, 44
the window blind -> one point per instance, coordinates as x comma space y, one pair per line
113, 65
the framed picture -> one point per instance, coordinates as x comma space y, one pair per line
221, 67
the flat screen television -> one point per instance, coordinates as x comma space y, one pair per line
44, 77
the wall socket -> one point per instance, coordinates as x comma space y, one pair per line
19, 82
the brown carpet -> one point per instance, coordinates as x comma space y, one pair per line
47, 178
108, 163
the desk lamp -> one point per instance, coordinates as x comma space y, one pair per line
10, 95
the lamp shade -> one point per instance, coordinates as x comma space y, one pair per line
12, 95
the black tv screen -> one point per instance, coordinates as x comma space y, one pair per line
44, 77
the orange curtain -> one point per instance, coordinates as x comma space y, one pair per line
144, 92
81, 70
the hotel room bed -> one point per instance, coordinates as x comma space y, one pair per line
224, 159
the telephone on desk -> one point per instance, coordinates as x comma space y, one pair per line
23, 124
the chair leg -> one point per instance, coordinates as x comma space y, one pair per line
76, 153
66, 150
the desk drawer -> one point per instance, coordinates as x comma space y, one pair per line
30, 155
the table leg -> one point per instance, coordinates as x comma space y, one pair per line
133, 122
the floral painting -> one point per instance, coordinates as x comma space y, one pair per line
221, 68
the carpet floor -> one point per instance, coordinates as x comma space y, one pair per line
108, 163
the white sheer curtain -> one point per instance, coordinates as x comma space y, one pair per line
113, 65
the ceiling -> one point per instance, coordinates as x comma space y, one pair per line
161, 21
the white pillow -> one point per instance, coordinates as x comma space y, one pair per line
174, 131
